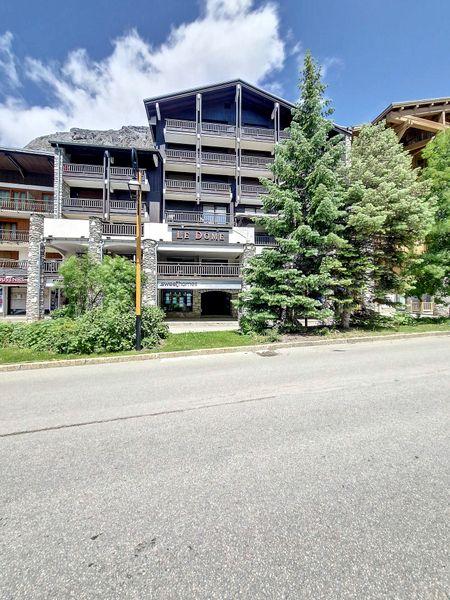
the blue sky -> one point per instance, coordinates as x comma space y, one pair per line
90, 63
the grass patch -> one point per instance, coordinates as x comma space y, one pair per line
215, 339
206, 339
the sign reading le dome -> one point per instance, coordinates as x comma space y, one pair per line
200, 236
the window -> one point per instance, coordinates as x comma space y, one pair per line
215, 214
177, 300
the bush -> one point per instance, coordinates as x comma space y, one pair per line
102, 329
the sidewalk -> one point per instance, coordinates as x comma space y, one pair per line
181, 326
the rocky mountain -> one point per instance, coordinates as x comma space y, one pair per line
128, 136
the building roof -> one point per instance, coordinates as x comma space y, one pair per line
26, 161
410, 103
218, 86
56, 143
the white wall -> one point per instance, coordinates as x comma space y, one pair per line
66, 228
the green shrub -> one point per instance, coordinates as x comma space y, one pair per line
6, 333
102, 329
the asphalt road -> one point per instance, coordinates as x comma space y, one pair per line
310, 473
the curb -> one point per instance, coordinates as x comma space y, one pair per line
208, 351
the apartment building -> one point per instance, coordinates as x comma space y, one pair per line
200, 170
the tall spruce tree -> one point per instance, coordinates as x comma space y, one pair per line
295, 280
388, 212
432, 269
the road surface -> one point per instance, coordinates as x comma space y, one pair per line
309, 473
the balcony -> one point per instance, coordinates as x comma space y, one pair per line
80, 174
187, 189
95, 206
221, 134
51, 267
10, 267
262, 239
252, 192
119, 229
197, 218
199, 270
25, 205
8, 235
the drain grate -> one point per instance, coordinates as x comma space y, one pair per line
267, 353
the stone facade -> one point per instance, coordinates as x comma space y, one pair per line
61, 189
150, 270
95, 247
36, 253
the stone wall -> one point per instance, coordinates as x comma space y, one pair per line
36, 253
150, 271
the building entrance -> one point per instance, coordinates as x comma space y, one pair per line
216, 303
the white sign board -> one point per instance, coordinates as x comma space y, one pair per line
199, 284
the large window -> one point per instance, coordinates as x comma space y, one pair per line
177, 300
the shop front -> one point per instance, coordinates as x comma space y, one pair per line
194, 299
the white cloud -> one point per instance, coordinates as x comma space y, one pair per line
7, 60
330, 63
231, 38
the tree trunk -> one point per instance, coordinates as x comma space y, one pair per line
345, 318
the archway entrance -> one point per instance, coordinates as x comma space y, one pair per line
216, 304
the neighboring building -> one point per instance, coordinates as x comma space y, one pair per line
26, 187
417, 122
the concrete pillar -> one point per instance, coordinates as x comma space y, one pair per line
150, 270
95, 248
61, 189
35, 282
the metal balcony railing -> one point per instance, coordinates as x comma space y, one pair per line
86, 171
95, 205
28, 204
208, 187
262, 239
197, 217
285, 134
199, 270
221, 129
181, 124
8, 235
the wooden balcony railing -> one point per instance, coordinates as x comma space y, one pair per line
199, 270
208, 187
86, 171
119, 229
18, 235
252, 190
264, 240
95, 205
189, 156
9, 266
197, 217
224, 129
256, 162
28, 204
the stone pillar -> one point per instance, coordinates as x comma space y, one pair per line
95, 248
150, 271
35, 269
247, 255
61, 189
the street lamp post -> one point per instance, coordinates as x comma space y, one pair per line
135, 186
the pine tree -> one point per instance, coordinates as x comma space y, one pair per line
294, 281
432, 270
388, 212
